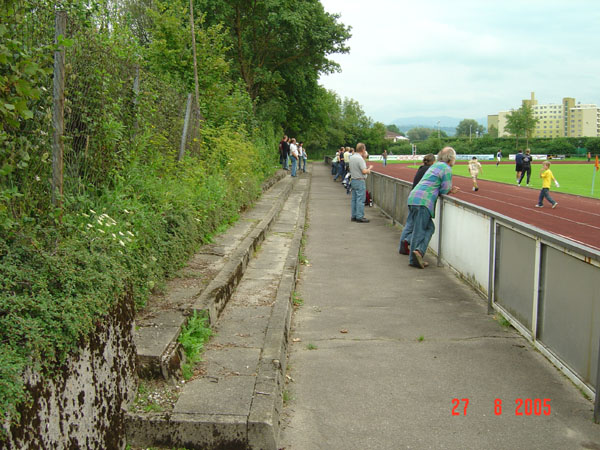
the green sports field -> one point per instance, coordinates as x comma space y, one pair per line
573, 178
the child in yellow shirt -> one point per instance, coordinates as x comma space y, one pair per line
547, 177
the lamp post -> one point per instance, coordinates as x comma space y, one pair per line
438, 124
470, 126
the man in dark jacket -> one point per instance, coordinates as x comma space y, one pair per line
526, 166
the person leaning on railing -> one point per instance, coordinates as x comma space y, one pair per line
421, 205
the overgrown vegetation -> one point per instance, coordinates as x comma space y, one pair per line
192, 338
129, 214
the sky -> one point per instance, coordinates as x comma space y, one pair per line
465, 58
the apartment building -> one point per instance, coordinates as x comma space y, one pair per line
567, 119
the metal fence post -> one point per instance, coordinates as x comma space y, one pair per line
491, 265
597, 399
394, 212
186, 124
58, 109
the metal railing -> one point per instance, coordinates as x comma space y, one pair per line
543, 284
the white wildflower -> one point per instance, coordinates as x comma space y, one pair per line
125, 211
89, 225
92, 211
121, 233
101, 231
114, 235
130, 233
85, 215
121, 242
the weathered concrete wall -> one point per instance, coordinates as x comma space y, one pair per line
83, 405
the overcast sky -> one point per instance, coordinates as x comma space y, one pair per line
465, 58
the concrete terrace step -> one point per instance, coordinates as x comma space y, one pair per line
236, 399
205, 284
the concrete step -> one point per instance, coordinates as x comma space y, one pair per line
205, 284
236, 398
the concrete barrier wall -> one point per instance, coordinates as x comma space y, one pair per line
83, 405
543, 284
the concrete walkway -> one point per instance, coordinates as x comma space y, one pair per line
379, 351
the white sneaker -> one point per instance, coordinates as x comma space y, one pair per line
555, 205
539, 206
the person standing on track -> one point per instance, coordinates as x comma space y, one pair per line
547, 177
384, 156
474, 169
519, 165
527, 159
421, 205
498, 157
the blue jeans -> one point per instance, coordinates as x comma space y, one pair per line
359, 192
419, 229
303, 164
334, 167
340, 172
384, 162
285, 162
545, 193
294, 166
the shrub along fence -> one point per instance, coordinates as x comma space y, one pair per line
88, 124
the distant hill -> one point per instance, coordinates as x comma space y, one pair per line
447, 124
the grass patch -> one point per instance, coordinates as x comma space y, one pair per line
573, 178
311, 346
145, 401
296, 300
287, 397
502, 321
421, 338
192, 338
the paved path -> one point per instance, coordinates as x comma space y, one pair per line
395, 345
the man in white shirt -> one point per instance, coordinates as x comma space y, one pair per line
359, 171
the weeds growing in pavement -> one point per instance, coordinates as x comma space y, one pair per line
192, 338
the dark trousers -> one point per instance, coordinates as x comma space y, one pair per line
526, 170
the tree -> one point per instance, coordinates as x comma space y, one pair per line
514, 125
493, 131
529, 121
279, 49
394, 128
420, 133
521, 122
468, 127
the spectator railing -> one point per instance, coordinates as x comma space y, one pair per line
546, 286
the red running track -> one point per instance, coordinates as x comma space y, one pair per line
575, 218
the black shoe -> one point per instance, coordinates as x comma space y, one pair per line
363, 220
353, 219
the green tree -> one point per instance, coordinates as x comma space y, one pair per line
492, 131
521, 122
420, 133
468, 128
528, 120
394, 128
279, 49
515, 125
